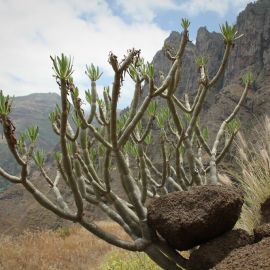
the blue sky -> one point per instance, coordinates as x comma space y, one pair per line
32, 30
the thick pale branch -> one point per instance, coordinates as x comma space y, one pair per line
9, 177
112, 239
45, 202
127, 132
222, 67
66, 159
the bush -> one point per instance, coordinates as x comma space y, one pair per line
64, 232
119, 260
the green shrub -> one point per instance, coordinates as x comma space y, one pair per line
123, 260
64, 232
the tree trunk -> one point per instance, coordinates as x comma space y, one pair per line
162, 259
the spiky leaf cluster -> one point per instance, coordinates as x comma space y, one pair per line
201, 61
122, 120
133, 73
93, 72
205, 133
147, 70
5, 104
162, 117
39, 157
233, 125
148, 138
185, 23
55, 115
88, 96
228, 32
58, 156
21, 142
62, 66
32, 133
248, 78
77, 120
152, 108
131, 149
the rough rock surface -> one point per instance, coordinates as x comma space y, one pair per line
262, 232
214, 251
251, 257
189, 218
265, 211
251, 53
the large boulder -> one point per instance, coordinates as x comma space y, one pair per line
214, 251
251, 257
189, 218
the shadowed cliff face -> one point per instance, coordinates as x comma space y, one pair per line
252, 51
207, 44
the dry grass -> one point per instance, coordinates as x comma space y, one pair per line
68, 249
75, 248
254, 159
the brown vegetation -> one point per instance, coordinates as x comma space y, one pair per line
67, 248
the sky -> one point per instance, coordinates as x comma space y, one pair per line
32, 30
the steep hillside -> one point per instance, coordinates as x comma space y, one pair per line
27, 111
33, 110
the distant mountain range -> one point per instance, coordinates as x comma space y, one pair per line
28, 111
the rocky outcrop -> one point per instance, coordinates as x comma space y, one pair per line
250, 53
207, 44
214, 251
189, 218
250, 257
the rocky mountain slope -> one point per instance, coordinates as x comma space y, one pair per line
28, 111
251, 53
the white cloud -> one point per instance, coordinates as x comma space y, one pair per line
145, 10
195, 7
33, 30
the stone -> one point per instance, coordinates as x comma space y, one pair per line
189, 218
251, 257
214, 251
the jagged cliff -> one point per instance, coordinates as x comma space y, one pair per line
251, 53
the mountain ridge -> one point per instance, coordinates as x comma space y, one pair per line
27, 111
251, 52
